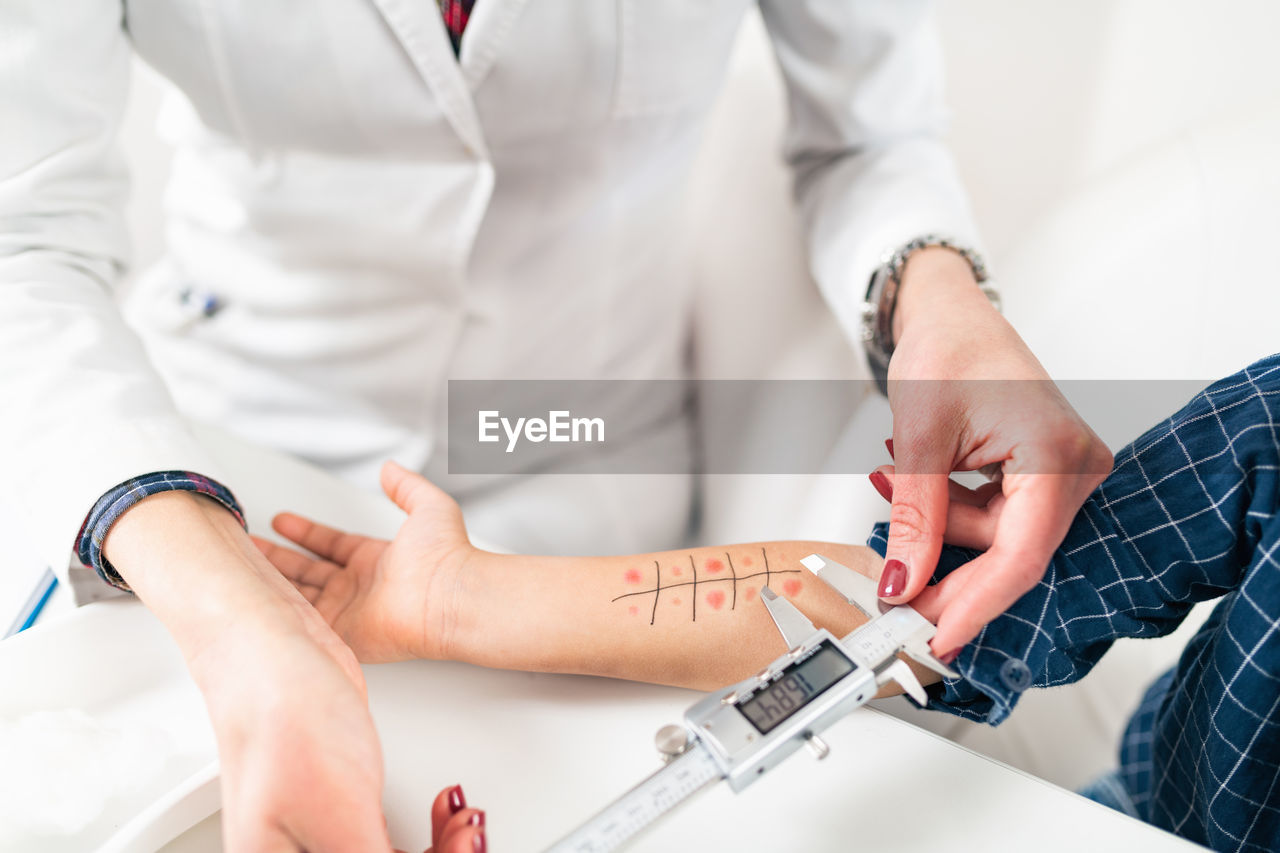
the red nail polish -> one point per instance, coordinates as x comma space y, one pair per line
882, 484
888, 443
950, 657
478, 844
893, 580
476, 819
457, 802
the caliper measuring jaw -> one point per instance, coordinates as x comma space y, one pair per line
895, 624
740, 732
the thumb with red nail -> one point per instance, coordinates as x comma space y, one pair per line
918, 513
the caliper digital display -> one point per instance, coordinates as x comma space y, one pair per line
797, 687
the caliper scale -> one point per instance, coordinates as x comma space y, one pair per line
741, 732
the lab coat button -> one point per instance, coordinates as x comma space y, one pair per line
1015, 675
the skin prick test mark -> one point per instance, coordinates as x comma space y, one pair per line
713, 566
716, 597
633, 610
747, 563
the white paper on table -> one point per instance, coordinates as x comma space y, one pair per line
104, 740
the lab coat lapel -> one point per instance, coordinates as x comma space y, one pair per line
419, 26
488, 28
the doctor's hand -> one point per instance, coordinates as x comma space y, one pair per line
455, 828
300, 761
388, 601
967, 394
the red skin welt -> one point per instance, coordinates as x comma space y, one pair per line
747, 562
633, 610
631, 576
677, 571
715, 599
791, 588
749, 594
713, 566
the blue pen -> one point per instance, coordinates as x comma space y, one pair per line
35, 603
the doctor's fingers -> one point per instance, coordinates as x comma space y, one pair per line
462, 833
301, 569
956, 492
320, 539
1038, 511
455, 828
972, 514
949, 603
925, 447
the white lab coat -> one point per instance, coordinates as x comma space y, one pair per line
375, 217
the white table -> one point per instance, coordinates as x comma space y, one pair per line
542, 752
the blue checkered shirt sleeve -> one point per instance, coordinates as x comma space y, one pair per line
1189, 514
117, 501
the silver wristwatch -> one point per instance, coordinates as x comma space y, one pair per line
882, 299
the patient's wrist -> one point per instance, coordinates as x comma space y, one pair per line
488, 613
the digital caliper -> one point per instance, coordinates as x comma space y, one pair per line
743, 731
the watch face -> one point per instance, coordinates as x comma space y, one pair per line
877, 315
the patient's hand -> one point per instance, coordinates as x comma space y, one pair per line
387, 600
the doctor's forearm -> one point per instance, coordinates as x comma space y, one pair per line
190, 562
690, 618
300, 762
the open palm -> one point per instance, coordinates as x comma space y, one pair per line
387, 600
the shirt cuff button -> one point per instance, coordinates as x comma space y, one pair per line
1015, 675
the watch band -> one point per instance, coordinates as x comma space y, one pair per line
881, 300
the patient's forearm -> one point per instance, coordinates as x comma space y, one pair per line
692, 618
